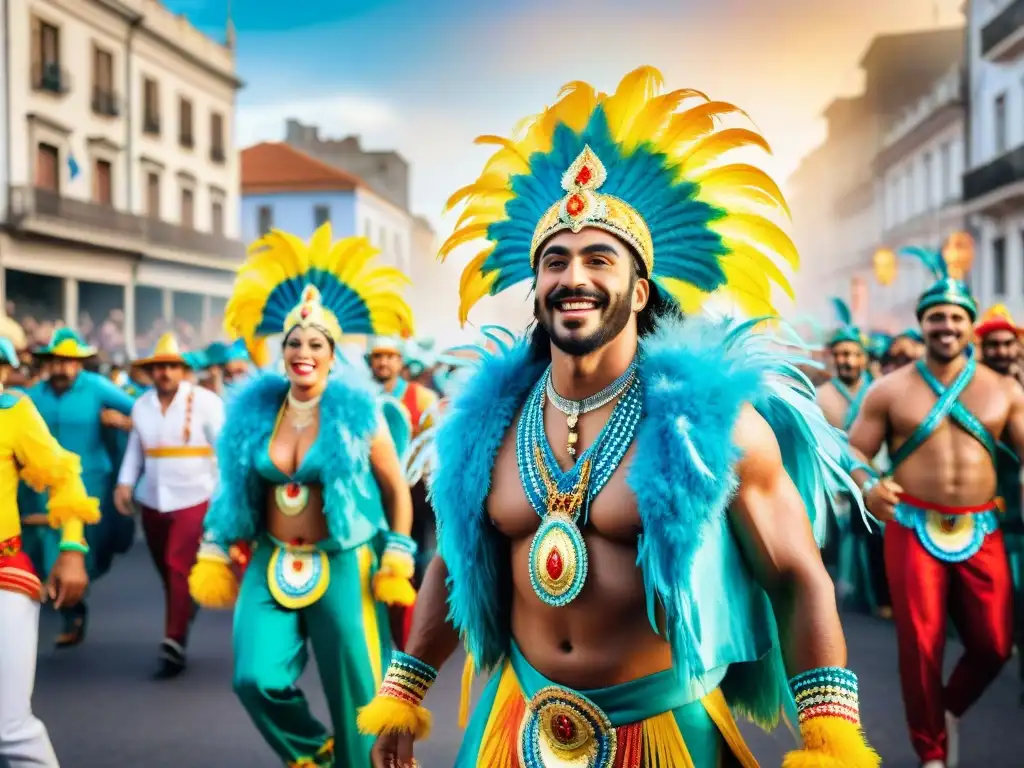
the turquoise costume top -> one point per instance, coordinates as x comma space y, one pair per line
696, 376
350, 418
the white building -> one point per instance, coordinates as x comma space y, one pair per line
121, 205
993, 187
919, 168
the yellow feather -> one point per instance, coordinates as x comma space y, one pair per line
488, 184
652, 120
484, 210
663, 744
749, 200
687, 127
690, 298
634, 90
740, 176
462, 236
757, 261
507, 145
474, 266
711, 147
759, 232
475, 285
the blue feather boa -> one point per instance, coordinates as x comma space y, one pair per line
697, 375
349, 419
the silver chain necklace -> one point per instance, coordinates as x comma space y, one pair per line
573, 408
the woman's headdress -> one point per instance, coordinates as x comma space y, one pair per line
847, 330
640, 165
945, 289
337, 288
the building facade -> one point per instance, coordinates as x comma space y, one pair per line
993, 186
121, 206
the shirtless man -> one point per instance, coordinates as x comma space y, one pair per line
586, 527
944, 552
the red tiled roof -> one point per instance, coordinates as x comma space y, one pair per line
277, 167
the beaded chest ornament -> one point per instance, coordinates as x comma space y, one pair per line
558, 554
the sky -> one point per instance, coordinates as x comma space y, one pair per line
425, 77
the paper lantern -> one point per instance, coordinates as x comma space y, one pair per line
884, 262
959, 254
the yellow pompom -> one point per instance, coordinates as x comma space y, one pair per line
391, 589
386, 714
831, 742
212, 583
398, 563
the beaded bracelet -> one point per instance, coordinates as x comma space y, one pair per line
74, 546
408, 679
826, 692
399, 543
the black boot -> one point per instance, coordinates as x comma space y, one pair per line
172, 660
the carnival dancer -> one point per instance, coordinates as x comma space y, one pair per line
942, 418
905, 348
175, 426
999, 339
28, 451
78, 406
568, 444
309, 471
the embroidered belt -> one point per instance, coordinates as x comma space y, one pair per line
297, 574
17, 574
950, 534
180, 452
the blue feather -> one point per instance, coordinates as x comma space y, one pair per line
347, 306
933, 260
843, 313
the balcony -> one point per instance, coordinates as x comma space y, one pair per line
997, 184
46, 213
50, 77
105, 102
1002, 39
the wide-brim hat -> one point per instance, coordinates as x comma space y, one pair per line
67, 344
166, 352
379, 344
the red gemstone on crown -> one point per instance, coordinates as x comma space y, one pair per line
292, 490
554, 564
304, 312
563, 728
574, 206
584, 176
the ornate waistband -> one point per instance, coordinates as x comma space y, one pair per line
17, 573
943, 509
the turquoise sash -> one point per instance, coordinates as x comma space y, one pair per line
854, 401
948, 405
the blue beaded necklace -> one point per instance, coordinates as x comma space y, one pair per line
558, 555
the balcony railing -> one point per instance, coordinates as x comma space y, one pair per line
50, 77
1004, 170
138, 232
106, 102
1003, 37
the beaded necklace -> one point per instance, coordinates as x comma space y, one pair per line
558, 554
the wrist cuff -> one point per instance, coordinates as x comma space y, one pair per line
826, 692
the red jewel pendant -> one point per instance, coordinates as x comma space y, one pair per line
563, 728
296, 565
292, 490
583, 176
554, 565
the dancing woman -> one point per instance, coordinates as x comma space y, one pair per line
310, 476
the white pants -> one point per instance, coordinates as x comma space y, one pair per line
24, 742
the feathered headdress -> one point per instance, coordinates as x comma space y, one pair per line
286, 283
997, 318
846, 331
878, 344
946, 289
640, 165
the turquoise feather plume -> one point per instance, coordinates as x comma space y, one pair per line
843, 313
932, 259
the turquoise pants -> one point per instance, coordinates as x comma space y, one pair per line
349, 633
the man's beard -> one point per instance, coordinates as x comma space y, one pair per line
941, 355
59, 382
849, 374
614, 316
1000, 365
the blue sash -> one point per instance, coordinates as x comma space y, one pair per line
853, 401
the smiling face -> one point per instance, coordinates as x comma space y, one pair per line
308, 355
588, 290
947, 331
850, 360
386, 365
999, 350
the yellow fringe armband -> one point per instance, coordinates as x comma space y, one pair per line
398, 706
392, 584
212, 583
73, 532
70, 503
832, 742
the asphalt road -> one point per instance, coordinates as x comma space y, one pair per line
103, 711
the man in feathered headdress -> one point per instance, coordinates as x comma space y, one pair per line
904, 348
942, 420
999, 339
614, 418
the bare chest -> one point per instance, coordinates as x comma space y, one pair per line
985, 402
289, 444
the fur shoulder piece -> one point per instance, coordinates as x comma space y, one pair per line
348, 421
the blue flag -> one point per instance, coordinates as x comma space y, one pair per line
73, 166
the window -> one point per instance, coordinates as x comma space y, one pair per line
101, 183
398, 249
153, 195
48, 167
188, 214
103, 102
217, 217
151, 106
321, 215
945, 172
999, 126
381, 241
929, 196
265, 219
185, 137
366, 229
46, 69
216, 137
999, 266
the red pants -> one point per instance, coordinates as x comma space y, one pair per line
977, 595
173, 539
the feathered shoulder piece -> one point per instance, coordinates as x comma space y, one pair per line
649, 166
335, 287
946, 289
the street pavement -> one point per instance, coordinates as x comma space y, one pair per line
104, 711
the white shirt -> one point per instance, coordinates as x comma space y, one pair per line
175, 459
